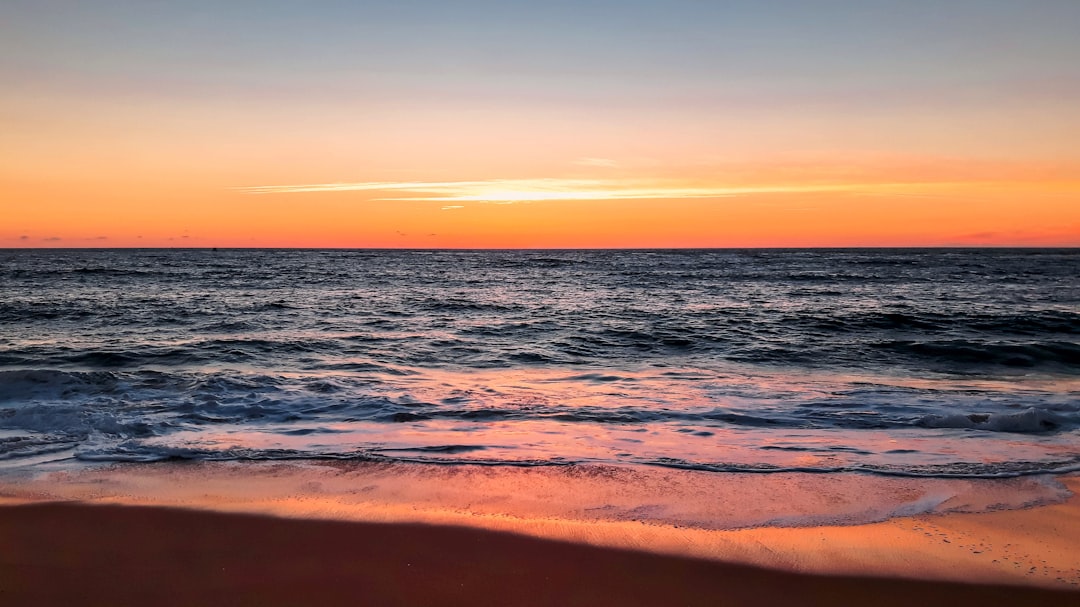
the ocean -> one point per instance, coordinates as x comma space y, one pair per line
958, 363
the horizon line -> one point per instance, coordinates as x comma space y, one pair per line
687, 248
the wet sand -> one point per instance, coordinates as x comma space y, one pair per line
61, 554
264, 534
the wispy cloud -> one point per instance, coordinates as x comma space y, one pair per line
451, 207
530, 190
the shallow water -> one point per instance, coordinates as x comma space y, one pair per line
960, 363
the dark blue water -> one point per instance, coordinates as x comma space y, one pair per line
924, 362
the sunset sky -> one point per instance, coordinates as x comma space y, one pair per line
587, 123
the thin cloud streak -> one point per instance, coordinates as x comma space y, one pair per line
533, 190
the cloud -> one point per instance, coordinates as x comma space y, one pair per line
52, 239
452, 207
532, 190
24, 237
605, 163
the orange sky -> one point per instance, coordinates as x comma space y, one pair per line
907, 203
129, 134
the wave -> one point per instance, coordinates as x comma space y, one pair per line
118, 359
1042, 323
450, 305
470, 455
1029, 420
972, 470
50, 384
1009, 354
1035, 323
541, 263
13, 447
120, 404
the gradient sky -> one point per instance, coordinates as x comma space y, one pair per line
418, 123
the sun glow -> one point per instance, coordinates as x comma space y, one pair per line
535, 190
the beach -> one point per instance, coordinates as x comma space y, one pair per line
655, 427
168, 546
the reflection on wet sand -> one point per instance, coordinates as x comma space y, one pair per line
64, 554
1008, 530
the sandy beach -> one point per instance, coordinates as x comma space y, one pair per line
71, 539
61, 554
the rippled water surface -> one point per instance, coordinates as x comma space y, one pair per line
911, 362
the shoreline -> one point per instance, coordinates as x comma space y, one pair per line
969, 532
108, 554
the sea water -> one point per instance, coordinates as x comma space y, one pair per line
958, 363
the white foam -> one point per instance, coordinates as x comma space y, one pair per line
1032, 419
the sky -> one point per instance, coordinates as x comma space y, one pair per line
592, 123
